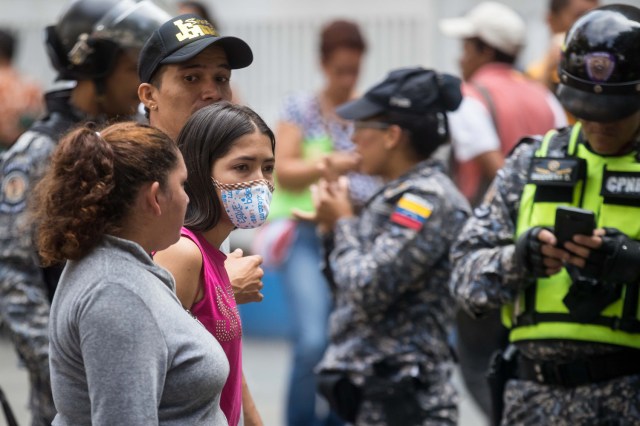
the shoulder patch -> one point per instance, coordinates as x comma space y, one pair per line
13, 191
411, 212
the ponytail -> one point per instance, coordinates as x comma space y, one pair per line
92, 183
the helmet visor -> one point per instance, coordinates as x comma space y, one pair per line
130, 23
597, 107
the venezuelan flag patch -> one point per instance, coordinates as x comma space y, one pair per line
411, 212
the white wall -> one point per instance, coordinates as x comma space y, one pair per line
400, 33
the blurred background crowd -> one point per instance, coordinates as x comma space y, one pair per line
284, 37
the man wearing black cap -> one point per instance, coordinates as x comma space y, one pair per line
571, 307
388, 360
186, 65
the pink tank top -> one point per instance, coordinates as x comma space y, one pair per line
218, 312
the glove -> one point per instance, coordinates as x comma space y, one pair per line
528, 254
599, 283
617, 260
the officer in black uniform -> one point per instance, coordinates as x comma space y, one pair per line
95, 46
571, 308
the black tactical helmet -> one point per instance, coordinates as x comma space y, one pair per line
85, 42
600, 64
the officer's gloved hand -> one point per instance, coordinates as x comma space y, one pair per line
599, 283
528, 254
616, 261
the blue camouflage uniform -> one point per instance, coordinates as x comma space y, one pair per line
24, 293
393, 310
486, 277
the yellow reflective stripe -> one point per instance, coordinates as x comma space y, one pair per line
574, 331
573, 139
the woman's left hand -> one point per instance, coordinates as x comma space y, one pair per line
331, 201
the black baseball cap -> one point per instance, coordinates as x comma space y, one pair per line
407, 92
183, 37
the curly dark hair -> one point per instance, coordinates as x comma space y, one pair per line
92, 183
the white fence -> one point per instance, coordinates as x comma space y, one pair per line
287, 55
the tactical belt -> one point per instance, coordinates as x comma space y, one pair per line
579, 372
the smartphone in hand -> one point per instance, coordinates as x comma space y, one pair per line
571, 221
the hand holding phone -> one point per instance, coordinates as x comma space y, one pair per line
571, 221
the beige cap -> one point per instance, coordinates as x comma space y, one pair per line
494, 23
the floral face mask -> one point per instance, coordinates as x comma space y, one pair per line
246, 203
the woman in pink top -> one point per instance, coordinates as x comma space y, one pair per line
229, 153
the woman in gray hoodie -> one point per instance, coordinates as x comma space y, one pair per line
123, 350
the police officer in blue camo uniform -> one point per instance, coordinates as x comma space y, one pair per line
95, 44
572, 310
388, 360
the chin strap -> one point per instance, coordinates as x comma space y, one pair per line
101, 91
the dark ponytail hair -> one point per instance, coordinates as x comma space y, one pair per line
92, 184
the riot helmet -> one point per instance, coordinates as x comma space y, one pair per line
600, 64
87, 39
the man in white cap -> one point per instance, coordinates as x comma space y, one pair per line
501, 105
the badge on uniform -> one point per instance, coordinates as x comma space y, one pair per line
411, 212
555, 171
620, 187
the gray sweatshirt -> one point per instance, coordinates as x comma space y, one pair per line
123, 351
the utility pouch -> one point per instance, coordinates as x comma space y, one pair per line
501, 369
343, 396
587, 297
397, 398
